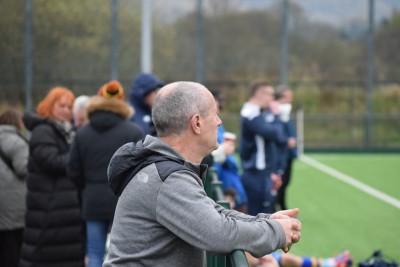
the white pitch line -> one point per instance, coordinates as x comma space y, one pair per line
351, 181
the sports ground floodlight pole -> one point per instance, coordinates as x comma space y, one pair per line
146, 37
114, 39
200, 43
28, 55
370, 74
284, 43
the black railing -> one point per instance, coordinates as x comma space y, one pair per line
237, 258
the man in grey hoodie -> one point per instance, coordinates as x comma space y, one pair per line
163, 216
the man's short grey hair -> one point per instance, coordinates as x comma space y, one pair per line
172, 110
80, 103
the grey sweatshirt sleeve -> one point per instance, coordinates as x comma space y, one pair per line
239, 215
184, 209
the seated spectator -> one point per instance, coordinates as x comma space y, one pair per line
277, 259
226, 164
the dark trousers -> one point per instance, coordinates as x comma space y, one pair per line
281, 198
10, 247
258, 189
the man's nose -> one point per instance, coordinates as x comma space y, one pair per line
219, 121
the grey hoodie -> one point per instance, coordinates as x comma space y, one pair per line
170, 221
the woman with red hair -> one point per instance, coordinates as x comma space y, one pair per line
53, 227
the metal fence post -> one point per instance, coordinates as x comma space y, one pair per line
300, 131
114, 39
28, 55
146, 32
370, 75
200, 43
284, 43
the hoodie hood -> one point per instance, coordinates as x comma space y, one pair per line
131, 158
143, 84
128, 161
31, 120
8, 129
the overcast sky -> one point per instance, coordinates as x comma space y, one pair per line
335, 12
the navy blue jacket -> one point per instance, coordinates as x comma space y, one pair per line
284, 152
291, 132
142, 85
260, 134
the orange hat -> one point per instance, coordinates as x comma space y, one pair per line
112, 89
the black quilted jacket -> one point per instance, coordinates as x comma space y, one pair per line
54, 230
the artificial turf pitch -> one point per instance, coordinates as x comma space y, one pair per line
336, 216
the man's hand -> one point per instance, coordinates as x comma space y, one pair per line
285, 214
292, 228
291, 142
276, 181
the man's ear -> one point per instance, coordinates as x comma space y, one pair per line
195, 123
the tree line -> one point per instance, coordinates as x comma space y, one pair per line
72, 45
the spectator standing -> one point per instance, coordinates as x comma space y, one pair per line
144, 88
275, 150
13, 169
285, 98
53, 226
260, 131
79, 115
108, 129
163, 216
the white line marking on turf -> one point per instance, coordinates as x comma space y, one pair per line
351, 181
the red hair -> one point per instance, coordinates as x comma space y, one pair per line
45, 107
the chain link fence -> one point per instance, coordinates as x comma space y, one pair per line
72, 45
